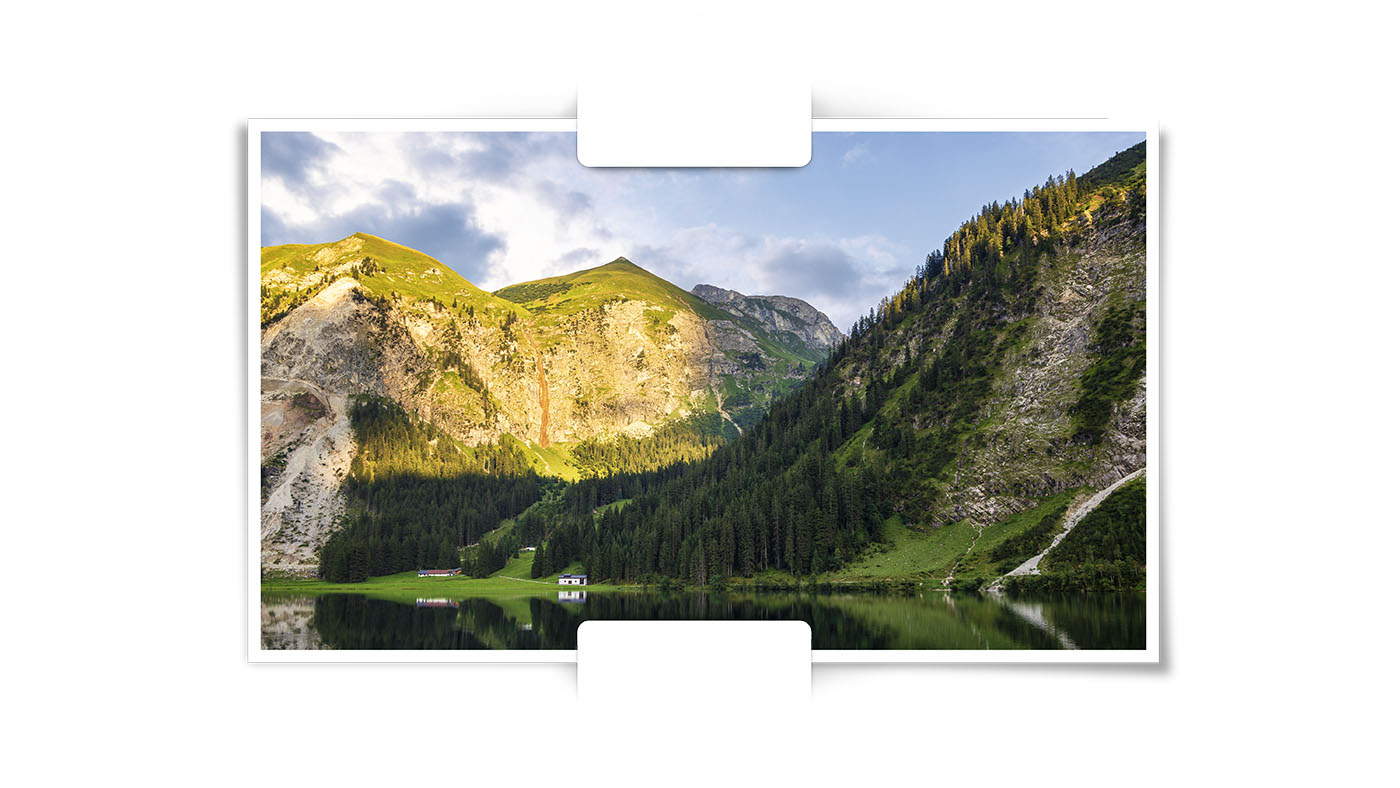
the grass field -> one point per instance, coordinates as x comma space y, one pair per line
912, 553
408, 586
553, 460
518, 567
979, 563
614, 506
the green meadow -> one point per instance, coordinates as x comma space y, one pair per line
408, 586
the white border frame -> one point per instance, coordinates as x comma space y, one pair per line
254, 618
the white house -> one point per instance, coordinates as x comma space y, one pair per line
440, 572
573, 580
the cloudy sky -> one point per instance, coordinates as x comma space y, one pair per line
502, 208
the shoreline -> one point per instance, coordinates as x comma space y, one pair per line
404, 586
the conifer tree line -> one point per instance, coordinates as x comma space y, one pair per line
773, 499
416, 496
677, 442
1056, 211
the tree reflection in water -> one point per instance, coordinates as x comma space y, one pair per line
932, 620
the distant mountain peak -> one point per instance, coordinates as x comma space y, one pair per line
714, 293
782, 314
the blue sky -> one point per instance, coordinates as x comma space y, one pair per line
501, 208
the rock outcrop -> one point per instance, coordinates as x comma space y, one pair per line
779, 314
307, 447
1024, 448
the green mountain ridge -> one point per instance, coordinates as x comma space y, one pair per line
573, 292
293, 273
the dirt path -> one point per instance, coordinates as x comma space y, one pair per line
523, 580
1032, 565
949, 579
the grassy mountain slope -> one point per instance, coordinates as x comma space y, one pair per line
1125, 169
560, 296
292, 273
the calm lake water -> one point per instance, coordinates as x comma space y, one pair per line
933, 620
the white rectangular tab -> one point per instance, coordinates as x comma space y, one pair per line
622, 662
722, 118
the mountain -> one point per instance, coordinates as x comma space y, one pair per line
601, 370
801, 325
630, 350
976, 411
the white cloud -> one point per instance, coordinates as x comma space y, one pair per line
510, 208
856, 154
842, 277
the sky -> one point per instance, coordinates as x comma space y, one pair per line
502, 208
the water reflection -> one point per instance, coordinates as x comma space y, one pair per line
1034, 614
286, 624
933, 620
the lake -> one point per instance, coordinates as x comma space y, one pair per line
929, 620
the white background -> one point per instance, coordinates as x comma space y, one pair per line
124, 544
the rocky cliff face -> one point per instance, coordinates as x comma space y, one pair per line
609, 374
1023, 447
1029, 452
629, 365
342, 342
779, 314
307, 447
